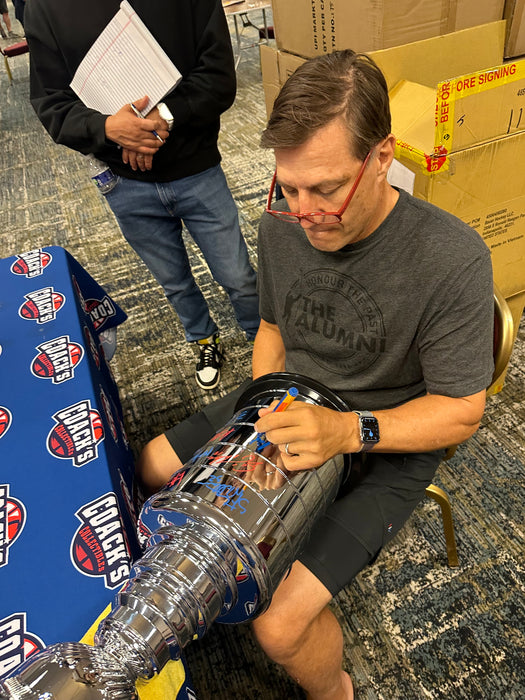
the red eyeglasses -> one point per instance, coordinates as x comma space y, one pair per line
316, 217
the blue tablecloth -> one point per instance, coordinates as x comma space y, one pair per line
67, 522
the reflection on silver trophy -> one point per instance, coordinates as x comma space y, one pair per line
219, 538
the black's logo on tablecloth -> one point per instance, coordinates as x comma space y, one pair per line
31, 264
100, 311
78, 291
56, 359
16, 643
12, 521
42, 305
100, 547
77, 432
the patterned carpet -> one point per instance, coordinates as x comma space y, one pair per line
414, 628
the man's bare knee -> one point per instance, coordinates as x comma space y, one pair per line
156, 464
295, 607
278, 635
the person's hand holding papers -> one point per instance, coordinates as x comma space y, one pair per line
135, 135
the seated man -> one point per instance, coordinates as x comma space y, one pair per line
383, 298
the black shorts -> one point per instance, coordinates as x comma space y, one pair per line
3, 7
371, 507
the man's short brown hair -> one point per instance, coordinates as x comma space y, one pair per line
342, 84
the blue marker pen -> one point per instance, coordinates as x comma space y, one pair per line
283, 404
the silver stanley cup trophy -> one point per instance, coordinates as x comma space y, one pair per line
219, 538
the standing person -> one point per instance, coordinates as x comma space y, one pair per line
388, 303
160, 186
7, 21
19, 10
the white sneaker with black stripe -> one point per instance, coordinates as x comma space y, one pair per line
208, 368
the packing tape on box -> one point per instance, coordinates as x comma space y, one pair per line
450, 92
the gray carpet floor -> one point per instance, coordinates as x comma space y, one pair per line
414, 628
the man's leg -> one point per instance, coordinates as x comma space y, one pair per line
7, 21
299, 632
208, 210
156, 464
151, 225
168, 452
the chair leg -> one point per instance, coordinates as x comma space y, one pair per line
441, 497
9, 74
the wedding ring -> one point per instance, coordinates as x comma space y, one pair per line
270, 473
286, 448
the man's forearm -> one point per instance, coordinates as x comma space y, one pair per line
316, 433
268, 351
428, 423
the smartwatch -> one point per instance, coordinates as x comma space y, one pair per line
164, 113
368, 429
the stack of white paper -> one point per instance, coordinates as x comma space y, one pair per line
125, 63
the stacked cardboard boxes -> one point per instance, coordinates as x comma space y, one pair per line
515, 15
313, 27
461, 146
425, 62
457, 113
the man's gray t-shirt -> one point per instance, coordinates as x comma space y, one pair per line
406, 311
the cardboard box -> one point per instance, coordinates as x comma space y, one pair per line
313, 27
515, 15
276, 68
426, 62
460, 141
463, 111
474, 184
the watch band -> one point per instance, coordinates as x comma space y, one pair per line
165, 113
368, 430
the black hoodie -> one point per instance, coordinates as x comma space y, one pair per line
193, 33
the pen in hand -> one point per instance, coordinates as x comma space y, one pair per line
283, 404
141, 116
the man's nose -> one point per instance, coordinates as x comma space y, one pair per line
306, 202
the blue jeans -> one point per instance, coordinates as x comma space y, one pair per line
151, 215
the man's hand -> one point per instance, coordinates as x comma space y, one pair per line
135, 134
313, 433
137, 161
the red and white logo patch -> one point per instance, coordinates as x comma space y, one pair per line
77, 432
42, 305
56, 359
31, 264
5, 420
16, 643
99, 547
12, 520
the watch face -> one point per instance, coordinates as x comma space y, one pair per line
369, 430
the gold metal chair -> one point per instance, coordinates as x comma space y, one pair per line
503, 342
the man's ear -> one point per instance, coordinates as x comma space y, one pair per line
385, 154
